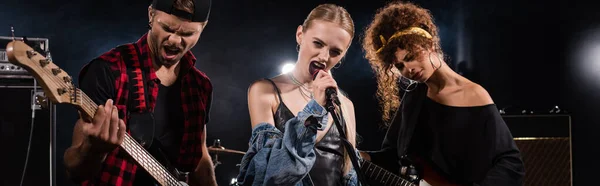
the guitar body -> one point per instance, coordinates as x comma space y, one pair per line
430, 176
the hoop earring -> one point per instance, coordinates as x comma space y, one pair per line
297, 47
438, 56
431, 61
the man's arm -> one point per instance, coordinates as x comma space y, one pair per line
78, 156
82, 160
92, 141
204, 174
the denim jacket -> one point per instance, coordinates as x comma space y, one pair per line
276, 158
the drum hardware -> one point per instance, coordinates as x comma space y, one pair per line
216, 149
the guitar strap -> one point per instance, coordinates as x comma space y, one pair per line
141, 121
340, 123
140, 116
359, 174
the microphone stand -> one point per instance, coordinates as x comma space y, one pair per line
330, 106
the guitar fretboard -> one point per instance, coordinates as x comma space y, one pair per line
139, 154
383, 176
148, 162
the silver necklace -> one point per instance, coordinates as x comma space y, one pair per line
302, 87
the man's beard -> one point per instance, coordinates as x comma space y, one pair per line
158, 59
162, 62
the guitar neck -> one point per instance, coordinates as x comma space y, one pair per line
379, 174
139, 154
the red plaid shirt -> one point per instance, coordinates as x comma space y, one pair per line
196, 93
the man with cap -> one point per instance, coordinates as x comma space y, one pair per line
151, 90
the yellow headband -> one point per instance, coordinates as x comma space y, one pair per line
410, 30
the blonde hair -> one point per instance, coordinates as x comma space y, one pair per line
340, 16
350, 136
330, 13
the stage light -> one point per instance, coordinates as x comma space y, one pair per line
588, 58
287, 67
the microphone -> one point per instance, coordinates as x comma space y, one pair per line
330, 92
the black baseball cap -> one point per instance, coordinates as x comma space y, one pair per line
200, 14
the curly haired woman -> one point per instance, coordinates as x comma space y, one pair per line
443, 122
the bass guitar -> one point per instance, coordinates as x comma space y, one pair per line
58, 87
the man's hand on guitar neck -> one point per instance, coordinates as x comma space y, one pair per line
105, 132
92, 141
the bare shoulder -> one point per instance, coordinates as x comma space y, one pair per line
477, 95
347, 101
347, 104
261, 92
260, 86
261, 98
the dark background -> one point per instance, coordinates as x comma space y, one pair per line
530, 55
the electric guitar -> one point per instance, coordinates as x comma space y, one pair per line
59, 88
381, 176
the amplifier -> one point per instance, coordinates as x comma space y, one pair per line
545, 145
17, 134
8, 68
21, 110
27, 123
10, 71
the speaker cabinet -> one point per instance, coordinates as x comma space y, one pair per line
545, 144
15, 127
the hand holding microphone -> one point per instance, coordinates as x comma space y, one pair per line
323, 86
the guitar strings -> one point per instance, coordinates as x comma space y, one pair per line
91, 106
58, 82
161, 168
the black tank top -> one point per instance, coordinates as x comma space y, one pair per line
328, 167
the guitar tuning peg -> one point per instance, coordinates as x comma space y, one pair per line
44, 62
31, 53
67, 79
62, 91
56, 71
